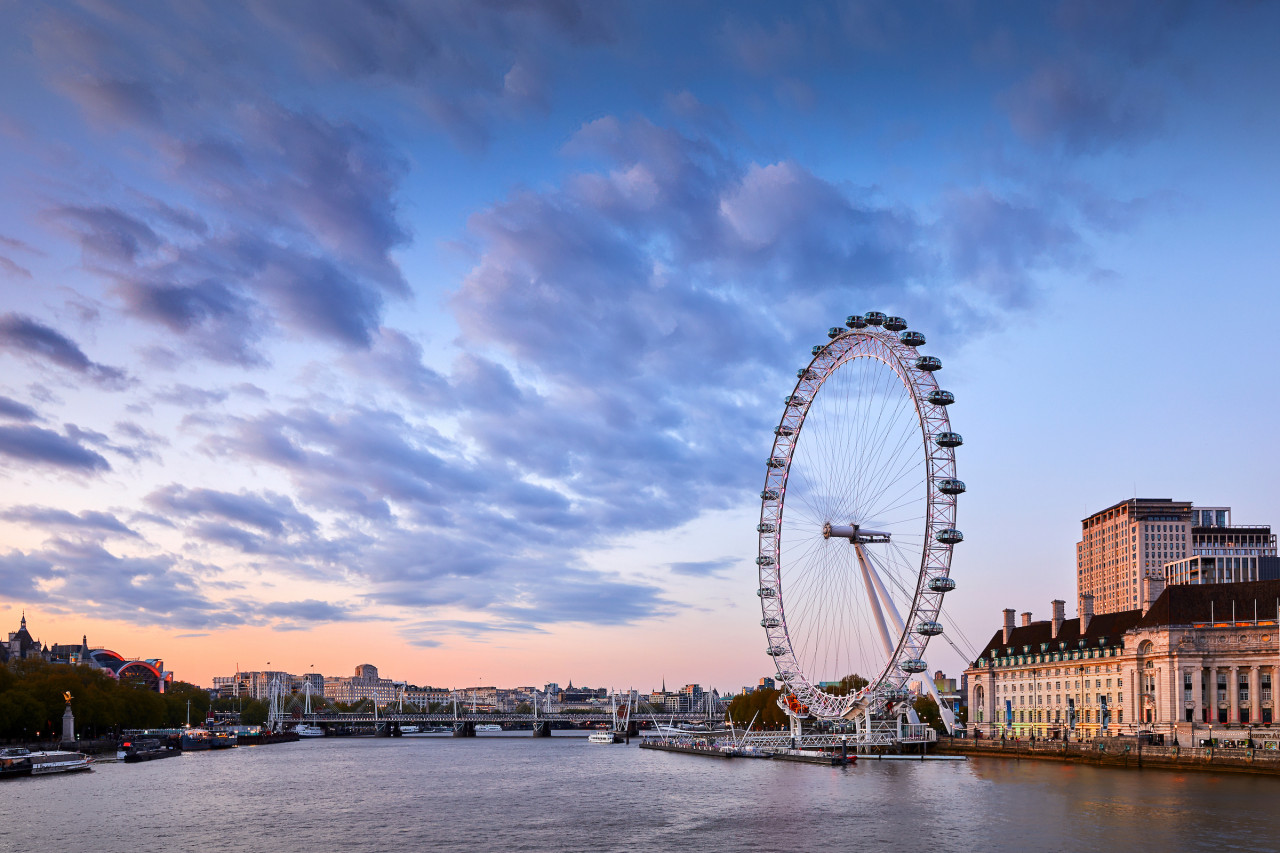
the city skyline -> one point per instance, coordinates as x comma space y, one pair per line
453, 342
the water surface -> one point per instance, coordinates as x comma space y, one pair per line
520, 793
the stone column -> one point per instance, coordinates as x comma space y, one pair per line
1233, 696
1212, 699
1255, 697
1197, 693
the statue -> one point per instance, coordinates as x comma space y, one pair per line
67, 696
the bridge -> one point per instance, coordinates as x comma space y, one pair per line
389, 722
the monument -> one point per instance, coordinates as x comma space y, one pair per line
68, 722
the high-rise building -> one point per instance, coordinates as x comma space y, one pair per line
1224, 553
1169, 540
1126, 542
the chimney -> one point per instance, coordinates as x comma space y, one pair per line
1026, 619
1059, 616
1086, 611
1008, 624
1152, 586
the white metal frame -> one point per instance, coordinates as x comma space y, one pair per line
871, 708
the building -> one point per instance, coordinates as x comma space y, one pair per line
21, 645
1189, 659
1126, 542
1223, 553
149, 673
422, 697
1167, 539
257, 684
365, 685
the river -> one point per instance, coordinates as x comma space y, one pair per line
513, 793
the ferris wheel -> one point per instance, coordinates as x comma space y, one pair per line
857, 523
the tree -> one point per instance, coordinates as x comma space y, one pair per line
927, 710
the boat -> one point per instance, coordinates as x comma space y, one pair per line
147, 749
222, 739
488, 727
195, 739
602, 737
16, 761
305, 730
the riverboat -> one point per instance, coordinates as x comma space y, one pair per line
488, 727
146, 750
196, 739
602, 737
306, 730
219, 739
21, 762
14, 762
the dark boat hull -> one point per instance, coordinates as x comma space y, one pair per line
150, 755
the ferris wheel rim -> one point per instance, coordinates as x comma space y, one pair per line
900, 354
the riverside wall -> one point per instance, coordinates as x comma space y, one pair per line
1115, 752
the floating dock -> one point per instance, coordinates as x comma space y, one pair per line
823, 758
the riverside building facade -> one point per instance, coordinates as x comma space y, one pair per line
1192, 659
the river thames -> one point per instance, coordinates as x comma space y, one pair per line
512, 793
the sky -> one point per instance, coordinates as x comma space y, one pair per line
450, 336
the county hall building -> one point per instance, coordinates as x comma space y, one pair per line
1189, 658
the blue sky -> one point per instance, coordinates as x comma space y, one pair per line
460, 328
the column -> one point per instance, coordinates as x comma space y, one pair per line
1233, 696
1213, 695
1197, 694
1255, 697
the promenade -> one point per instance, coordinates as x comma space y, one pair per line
1121, 752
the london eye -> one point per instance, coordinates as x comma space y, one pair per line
858, 523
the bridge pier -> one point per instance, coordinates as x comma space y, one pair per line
542, 728
382, 729
465, 728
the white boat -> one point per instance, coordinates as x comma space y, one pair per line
602, 737
488, 727
57, 761
305, 730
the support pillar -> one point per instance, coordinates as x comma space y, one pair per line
1197, 695
1213, 697
464, 728
1255, 697
1233, 696
542, 728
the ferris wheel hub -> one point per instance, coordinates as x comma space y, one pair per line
853, 532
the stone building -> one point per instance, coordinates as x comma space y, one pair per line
149, 673
21, 645
365, 684
1193, 657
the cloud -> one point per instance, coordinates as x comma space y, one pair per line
36, 445
32, 339
88, 521
1085, 109
190, 397
13, 268
14, 410
703, 568
270, 513
162, 590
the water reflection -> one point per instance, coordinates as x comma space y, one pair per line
538, 794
